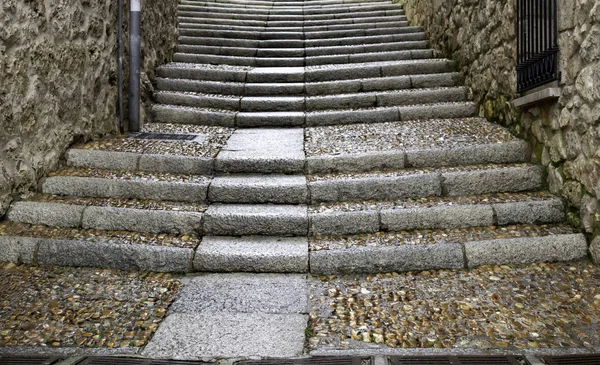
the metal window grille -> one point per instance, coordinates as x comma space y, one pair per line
537, 43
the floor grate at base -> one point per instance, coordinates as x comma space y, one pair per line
311, 361
114, 360
572, 359
166, 136
29, 360
458, 360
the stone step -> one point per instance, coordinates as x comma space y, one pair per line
254, 188
445, 249
81, 182
110, 214
252, 254
293, 35
339, 218
164, 113
187, 23
256, 219
313, 88
280, 60
303, 4
199, 12
279, 10
303, 52
404, 34
415, 183
313, 103
24, 243
358, 22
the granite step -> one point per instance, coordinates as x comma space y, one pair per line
259, 188
87, 182
244, 14
343, 218
289, 10
445, 249
194, 23
358, 22
315, 103
312, 88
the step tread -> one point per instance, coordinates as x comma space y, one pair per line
128, 175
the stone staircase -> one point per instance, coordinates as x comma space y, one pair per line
326, 139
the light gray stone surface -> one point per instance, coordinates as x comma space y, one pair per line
19, 250
242, 188
595, 250
177, 164
243, 293
135, 189
114, 255
530, 212
142, 220
46, 213
228, 335
375, 188
387, 259
263, 151
251, 219
252, 254
525, 250
342, 223
437, 217
484, 181
102, 159
359, 162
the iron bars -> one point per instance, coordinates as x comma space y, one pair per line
537, 43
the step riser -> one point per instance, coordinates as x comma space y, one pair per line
311, 89
272, 35
134, 189
308, 4
280, 189
449, 255
203, 7
186, 115
276, 220
185, 23
410, 35
369, 22
201, 13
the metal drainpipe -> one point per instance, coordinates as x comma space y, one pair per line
120, 63
134, 66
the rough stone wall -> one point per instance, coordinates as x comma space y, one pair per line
58, 79
565, 134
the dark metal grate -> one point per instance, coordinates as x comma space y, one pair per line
457, 360
311, 361
113, 360
165, 136
537, 43
14, 360
572, 360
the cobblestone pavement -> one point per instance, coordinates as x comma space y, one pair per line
492, 307
81, 307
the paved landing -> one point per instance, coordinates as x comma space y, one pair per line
235, 315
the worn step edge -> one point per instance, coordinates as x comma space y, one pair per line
105, 218
203, 13
336, 223
523, 250
424, 184
254, 188
175, 164
293, 23
107, 254
263, 26
256, 219
276, 10
252, 254
123, 188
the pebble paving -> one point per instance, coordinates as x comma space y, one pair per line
215, 138
358, 138
93, 235
431, 201
492, 307
129, 175
81, 307
435, 236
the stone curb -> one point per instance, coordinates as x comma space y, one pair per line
130, 189
339, 223
387, 259
252, 254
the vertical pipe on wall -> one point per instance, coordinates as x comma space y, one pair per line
120, 62
134, 65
